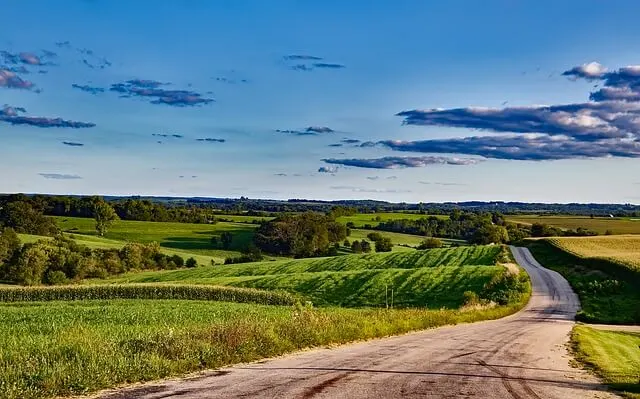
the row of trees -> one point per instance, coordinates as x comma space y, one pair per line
60, 260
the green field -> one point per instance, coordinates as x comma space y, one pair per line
431, 278
186, 237
70, 348
361, 219
609, 290
613, 355
598, 224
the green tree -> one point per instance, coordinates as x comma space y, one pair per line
191, 262
31, 265
226, 238
366, 246
104, 216
374, 236
384, 245
356, 247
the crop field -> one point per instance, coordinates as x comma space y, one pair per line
188, 237
599, 224
373, 219
603, 270
52, 349
613, 355
623, 249
432, 278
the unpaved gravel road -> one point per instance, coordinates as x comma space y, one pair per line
522, 357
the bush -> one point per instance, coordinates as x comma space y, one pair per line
430, 242
177, 260
374, 236
57, 277
506, 288
191, 262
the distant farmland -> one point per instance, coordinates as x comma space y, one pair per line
599, 224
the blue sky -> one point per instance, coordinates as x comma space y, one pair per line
400, 101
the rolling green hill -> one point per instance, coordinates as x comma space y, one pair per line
431, 278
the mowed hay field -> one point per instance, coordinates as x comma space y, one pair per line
432, 278
624, 249
598, 224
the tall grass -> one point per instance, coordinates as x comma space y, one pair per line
69, 348
145, 291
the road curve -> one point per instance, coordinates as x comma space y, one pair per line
521, 357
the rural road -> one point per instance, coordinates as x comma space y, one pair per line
521, 357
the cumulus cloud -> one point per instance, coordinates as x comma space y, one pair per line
590, 71
301, 57
328, 169
606, 126
152, 90
306, 63
309, 131
59, 176
11, 80
401, 162
12, 115
328, 65
520, 147
211, 140
88, 89
72, 144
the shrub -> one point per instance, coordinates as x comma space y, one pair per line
470, 298
374, 236
57, 277
191, 262
430, 242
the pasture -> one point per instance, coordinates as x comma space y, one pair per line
432, 278
186, 237
598, 224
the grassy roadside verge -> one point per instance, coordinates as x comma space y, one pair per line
606, 296
613, 355
68, 348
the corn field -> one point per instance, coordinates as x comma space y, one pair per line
146, 291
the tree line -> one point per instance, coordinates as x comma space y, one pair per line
475, 227
61, 260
